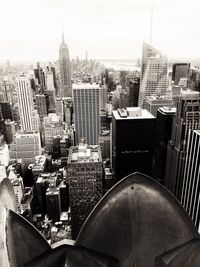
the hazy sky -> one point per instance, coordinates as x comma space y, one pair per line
30, 30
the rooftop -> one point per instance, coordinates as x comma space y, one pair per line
39, 161
84, 153
86, 86
132, 113
156, 99
167, 110
189, 93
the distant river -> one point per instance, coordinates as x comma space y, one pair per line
121, 64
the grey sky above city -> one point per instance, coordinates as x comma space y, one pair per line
31, 30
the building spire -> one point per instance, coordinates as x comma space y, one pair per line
63, 37
151, 24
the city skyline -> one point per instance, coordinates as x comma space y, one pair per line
107, 30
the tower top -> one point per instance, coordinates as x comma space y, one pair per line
63, 37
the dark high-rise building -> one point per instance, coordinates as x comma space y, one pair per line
187, 118
40, 76
56, 153
40, 188
162, 137
6, 110
132, 141
51, 106
53, 202
41, 102
64, 196
9, 131
134, 92
124, 98
191, 179
180, 70
65, 70
2, 124
54, 78
84, 177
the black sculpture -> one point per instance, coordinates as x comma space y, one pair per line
137, 223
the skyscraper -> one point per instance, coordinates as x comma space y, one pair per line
53, 202
180, 70
191, 180
86, 102
41, 101
25, 146
65, 70
25, 99
134, 92
153, 74
40, 77
132, 141
84, 177
6, 110
187, 118
163, 135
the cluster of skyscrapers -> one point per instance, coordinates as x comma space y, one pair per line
67, 136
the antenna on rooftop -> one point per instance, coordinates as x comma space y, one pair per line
151, 24
63, 38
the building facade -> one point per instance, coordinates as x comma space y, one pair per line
65, 70
180, 70
187, 118
26, 146
153, 74
25, 100
132, 141
162, 136
86, 103
84, 177
191, 180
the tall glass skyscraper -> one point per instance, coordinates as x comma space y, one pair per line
65, 70
153, 74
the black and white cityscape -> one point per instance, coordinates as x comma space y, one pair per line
100, 158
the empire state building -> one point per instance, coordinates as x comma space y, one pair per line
65, 69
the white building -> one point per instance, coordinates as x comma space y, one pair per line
190, 195
86, 103
153, 75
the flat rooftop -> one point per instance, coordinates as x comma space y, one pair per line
189, 93
86, 86
144, 114
167, 110
89, 154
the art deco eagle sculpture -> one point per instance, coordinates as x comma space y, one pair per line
137, 223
